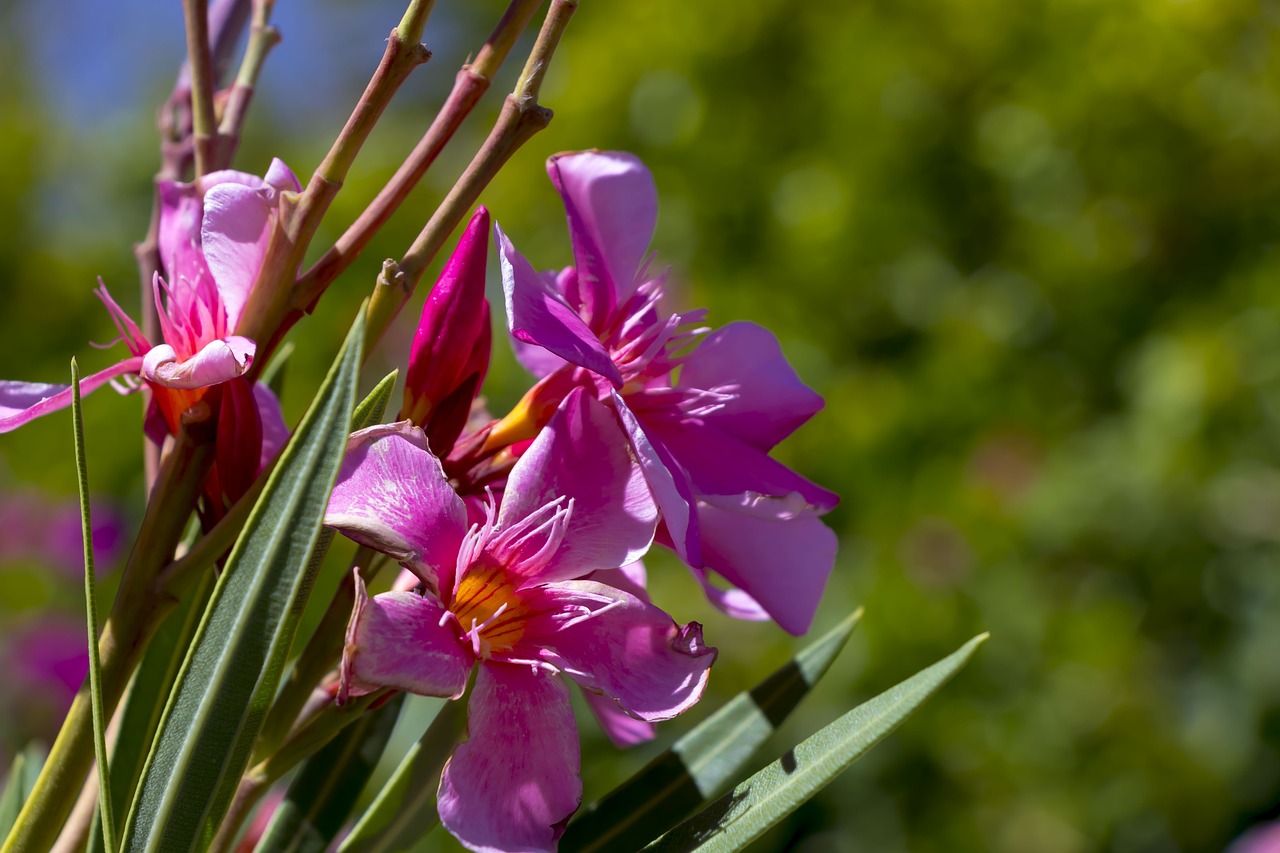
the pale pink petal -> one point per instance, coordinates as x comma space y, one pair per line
776, 549
613, 643
623, 729
179, 233
538, 314
282, 177
763, 399
631, 578
406, 641
392, 495
513, 784
670, 486
582, 457
217, 362
21, 402
719, 463
612, 206
275, 432
731, 602
234, 234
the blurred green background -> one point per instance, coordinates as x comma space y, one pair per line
1027, 251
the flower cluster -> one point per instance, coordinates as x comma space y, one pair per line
524, 533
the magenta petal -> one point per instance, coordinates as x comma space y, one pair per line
612, 206
178, 234
275, 432
21, 402
622, 729
406, 641
613, 643
631, 578
538, 314
764, 400
582, 456
776, 549
513, 784
392, 495
217, 362
234, 234
670, 486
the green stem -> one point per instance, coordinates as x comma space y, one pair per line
262, 37
200, 61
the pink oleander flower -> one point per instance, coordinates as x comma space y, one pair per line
702, 411
515, 595
450, 354
212, 239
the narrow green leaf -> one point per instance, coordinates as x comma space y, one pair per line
405, 809
273, 374
106, 813
17, 787
742, 815
234, 665
144, 703
326, 788
702, 762
374, 406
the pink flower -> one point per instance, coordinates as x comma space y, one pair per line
702, 422
515, 596
450, 354
212, 240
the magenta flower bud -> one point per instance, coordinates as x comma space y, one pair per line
450, 355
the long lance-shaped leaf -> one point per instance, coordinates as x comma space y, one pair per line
706, 759
105, 812
328, 784
405, 809
234, 665
17, 787
145, 701
742, 815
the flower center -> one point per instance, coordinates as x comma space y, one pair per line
489, 609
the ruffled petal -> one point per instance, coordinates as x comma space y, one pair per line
615, 644
392, 495
275, 432
513, 784
612, 206
623, 729
762, 400
402, 640
670, 486
217, 362
581, 457
719, 463
21, 402
234, 234
538, 314
776, 549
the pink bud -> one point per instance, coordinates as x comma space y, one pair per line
450, 354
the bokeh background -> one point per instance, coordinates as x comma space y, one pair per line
1027, 249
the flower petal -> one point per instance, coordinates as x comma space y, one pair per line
612, 206
582, 456
402, 640
234, 234
776, 549
513, 784
767, 400
217, 362
275, 432
613, 643
21, 402
622, 729
538, 314
392, 495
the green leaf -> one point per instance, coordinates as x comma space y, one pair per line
105, 811
405, 809
328, 784
144, 704
234, 665
22, 778
742, 815
702, 762
372, 407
